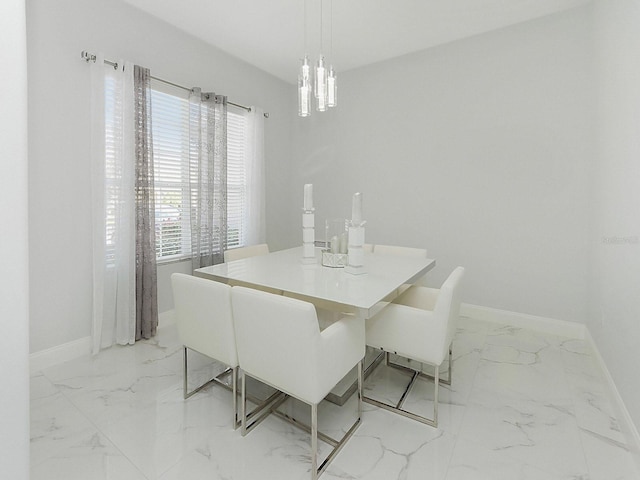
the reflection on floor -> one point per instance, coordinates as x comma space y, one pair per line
523, 405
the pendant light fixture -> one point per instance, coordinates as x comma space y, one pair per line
332, 80
320, 84
304, 77
304, 88
324, 86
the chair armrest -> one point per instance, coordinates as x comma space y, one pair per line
421, 297
408, 331
342, 346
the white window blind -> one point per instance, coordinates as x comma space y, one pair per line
170, 123
113, 150
236, 178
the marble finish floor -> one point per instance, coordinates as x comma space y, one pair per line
523, 405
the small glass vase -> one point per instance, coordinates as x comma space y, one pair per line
335, 253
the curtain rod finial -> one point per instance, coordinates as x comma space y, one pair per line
87, 57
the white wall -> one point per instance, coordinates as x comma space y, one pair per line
59, 173
477, 150
14, 284
615, 233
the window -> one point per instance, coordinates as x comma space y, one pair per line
170, 123
236, 179
113, 111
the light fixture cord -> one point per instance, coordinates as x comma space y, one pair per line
331, 31
320, 27
304, 24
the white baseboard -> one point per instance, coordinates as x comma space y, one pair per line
62, 353
565, 329
551, 326
69, 351
626, 423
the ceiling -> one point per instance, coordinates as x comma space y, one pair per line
270, 33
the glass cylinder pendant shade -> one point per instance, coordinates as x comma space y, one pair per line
305, 70
321, 85
332, 88
304, 97
304, 89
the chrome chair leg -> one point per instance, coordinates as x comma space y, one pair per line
271, 406
447, 381
184, 376
443, 381
234, 380
233, 387
436, 383
414, 376
185, 393
243, 403
314, 441
360, 381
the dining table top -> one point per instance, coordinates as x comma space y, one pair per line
283, 270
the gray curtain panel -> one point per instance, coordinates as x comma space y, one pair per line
208, 177
146, 273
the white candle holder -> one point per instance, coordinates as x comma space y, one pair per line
308, 236
356, 264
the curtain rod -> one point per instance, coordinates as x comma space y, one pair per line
90, 57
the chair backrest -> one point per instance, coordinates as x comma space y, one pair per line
448, 304
204, 317
245, 252
278, 339
404, 251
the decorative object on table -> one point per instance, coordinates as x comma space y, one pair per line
308, 226
336, 244
356, 265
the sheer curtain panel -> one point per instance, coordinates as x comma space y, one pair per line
255, 218
208, 177
113, 204
145, 261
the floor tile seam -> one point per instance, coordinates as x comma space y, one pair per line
91, 428
55, 387
100, 430
131, 412
470, 393
57, 450
456, 438
578, 430
605, 438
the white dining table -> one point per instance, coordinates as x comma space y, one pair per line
328, 288
363, 295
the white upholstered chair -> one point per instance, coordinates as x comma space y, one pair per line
421, 327
280, 344
204, 320
245, 252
